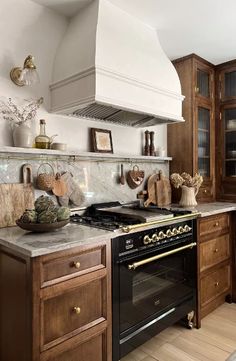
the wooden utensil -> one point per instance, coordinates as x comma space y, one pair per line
15, 198
59, 186
151, 190
163, 190
122, 177
73, 193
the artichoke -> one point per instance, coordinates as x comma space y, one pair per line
43, 203
47, 216
29, 216
63, 213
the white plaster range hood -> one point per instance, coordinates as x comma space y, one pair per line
110, 66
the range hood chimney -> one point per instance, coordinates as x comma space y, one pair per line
110, 67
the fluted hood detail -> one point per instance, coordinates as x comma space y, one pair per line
110, 66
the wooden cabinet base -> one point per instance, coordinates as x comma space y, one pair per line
65, 319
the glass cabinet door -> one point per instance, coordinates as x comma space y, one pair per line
204, 121
203, 81
229, 84
229, 119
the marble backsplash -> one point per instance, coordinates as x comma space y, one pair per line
97, 179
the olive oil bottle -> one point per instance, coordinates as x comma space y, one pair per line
42, 141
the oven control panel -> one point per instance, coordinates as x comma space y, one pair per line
155, 237
170, 232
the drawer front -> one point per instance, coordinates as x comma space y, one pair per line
215, 284
214, 224
214, 251
205, 193
73, 265
73, 311
93, 349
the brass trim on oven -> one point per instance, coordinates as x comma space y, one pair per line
127, 229
135, 265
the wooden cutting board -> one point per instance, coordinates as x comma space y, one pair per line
15, 198
151, 190
163, 191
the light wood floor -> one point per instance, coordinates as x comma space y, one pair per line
214, 341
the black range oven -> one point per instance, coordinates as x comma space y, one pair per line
154, 282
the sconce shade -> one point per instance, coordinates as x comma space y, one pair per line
26, 76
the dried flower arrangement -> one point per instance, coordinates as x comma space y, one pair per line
17, 114
185, 179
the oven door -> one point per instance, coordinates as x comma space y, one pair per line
154, 283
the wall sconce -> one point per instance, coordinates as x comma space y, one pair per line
26, 76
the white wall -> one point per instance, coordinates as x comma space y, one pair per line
28, 28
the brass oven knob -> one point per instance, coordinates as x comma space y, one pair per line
147, 240
161, 235
187, 228
181, 230
169, 233
155, 238
175, 231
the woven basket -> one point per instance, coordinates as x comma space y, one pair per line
45, 181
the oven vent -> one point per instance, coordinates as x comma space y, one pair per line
116, 116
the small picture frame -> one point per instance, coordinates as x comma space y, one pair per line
101, 140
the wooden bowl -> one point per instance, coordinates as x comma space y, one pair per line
42, 227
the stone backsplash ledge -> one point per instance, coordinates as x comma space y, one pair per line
98, 180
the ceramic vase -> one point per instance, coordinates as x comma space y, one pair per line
188, 196
22, 136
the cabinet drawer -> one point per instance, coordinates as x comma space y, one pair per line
73, 311
205, 192
93, 349
214, 284
72, 265
214, 251
214, 224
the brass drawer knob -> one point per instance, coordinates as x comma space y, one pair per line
196, 89
76, 265
205, 191
77, 310
216, 250
217, 284
216, 224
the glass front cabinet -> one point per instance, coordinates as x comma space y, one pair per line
226, 131
192, 144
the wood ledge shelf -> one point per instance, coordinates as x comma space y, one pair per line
14, 152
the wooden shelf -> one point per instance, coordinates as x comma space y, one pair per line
14, 152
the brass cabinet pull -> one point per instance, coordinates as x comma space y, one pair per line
216, 250
217, 284
77, 310
197, 89
205, 191
76, 265
216, 224
134, 265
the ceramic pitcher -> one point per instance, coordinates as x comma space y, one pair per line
188, 196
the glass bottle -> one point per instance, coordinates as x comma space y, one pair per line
42, 141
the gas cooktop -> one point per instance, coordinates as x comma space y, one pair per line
113, 215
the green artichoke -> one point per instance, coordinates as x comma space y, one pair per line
29, 216
63, 213
47, 216
43, 203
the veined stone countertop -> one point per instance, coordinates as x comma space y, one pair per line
209, 209
73, 235
38, 244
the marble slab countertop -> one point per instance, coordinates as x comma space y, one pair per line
38, 244
209, 209
73, 235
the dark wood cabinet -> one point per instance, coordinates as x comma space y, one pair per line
214, 263
192, 144
56, 307
226, 131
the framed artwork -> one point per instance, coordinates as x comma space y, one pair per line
101, 140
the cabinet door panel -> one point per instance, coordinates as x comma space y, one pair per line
227, 89
204, 81
72, 312
213, 252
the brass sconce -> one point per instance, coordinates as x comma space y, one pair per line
27, 75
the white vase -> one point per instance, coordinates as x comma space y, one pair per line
188, 196
22, 136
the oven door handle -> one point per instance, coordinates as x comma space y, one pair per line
135, 265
